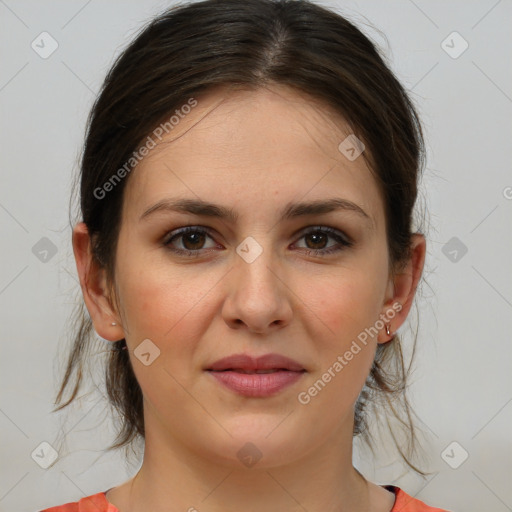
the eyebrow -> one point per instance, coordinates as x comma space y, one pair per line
290, 211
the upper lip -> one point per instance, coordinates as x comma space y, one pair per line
247, 362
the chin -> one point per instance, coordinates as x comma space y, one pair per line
256, 443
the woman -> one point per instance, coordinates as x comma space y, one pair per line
247, 190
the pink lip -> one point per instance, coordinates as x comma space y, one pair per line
254, 384
230, 371
246, 362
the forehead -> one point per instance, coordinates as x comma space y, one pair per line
247, 147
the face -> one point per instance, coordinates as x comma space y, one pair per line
301, 286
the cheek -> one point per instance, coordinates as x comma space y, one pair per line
155, 294
346, 303
168, 305
169, 310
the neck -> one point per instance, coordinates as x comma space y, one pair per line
181, 477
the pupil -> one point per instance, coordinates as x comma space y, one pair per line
192, 236
316, 236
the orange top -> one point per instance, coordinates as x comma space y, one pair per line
98, 503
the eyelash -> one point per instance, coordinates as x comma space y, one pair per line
333, 233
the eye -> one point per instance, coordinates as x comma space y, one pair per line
319, 236
193, 239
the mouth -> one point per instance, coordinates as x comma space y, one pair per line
256, 377
244, 363
253, 372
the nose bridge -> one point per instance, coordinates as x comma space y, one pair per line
258, 295
257, 263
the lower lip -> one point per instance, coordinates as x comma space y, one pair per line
256, 384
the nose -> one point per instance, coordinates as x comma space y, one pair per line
258, 295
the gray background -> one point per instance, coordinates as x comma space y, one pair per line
462, 384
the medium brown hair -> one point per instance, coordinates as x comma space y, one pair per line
196, 47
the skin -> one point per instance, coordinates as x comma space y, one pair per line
253, 151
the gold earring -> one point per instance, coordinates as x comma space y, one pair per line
387, 330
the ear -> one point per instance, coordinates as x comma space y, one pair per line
94, 287
402, 288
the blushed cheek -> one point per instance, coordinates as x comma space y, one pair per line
347, 350
152, 297
352, 314
169, 311
345, 309
172, 324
